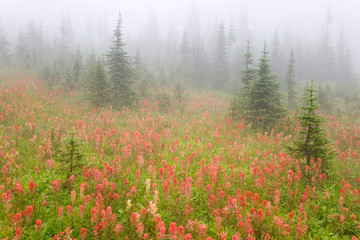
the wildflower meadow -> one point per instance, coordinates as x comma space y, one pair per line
69, 170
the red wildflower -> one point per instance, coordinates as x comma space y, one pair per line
38, 225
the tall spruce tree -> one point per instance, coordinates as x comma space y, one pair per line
311, 142
290, 80
265, 104
120, 70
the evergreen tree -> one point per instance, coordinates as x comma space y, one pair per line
120, 70
99, 90
200, 69
67, 36
311, 142
325, 63
220, 68
179, 91
344, 65
325, 99
46, 72
276, 60
265, 105
69, 82
71, 155
290, 80
4, 49
183, 69
184, 50
22, 50
77, 68
138, 63
231, 37
143, 76
249, 73
89, 68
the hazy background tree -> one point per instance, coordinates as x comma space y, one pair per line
290, 82
221, 76
4, 48
249, 72
78, 65
275, 55
99, 89
120, 70
203, 51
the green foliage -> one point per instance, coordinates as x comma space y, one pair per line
120, 70
184, 168
238, 103
99, 89
311, 142
264, 101
71, 154
249, 73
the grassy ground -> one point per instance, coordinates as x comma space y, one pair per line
72, 171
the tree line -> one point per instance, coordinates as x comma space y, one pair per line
201, 56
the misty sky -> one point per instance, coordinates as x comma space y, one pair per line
307, 17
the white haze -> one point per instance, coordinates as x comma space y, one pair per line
306, 18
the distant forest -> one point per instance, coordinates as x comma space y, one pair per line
207, 56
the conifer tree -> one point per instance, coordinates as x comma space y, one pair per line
325, 98
69, 79
265, 105
311, 142
4, 48
220, 67
179, 91
200, 69
89, 68
290, 80
121, 73
275, 54
99, 90
77, 67
248, 74
184, 50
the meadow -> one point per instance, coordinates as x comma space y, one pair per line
72, 171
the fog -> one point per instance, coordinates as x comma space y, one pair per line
296, 23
